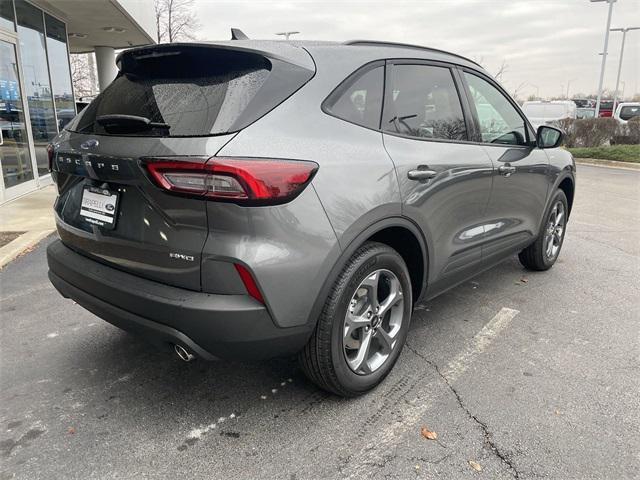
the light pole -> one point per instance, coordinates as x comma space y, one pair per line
286, 35
604, 53
568, 85
624, 36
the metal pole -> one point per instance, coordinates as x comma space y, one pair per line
615, 95
569, 84
604, 57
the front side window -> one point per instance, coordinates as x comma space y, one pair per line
499, 121
423, 102
359, 99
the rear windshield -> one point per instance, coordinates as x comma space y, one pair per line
190, 91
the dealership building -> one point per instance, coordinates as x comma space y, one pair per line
36, 92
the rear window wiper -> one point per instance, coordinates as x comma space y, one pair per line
120, 123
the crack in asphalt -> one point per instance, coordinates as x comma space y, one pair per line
488, 441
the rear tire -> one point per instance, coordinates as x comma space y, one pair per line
543, 253
352, 348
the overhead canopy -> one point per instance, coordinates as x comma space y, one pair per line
105, 23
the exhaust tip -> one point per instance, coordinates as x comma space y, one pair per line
183, 353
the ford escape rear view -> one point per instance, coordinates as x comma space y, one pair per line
250, 199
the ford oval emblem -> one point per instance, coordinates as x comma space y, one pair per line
91, 143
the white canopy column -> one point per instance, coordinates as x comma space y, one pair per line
106, 65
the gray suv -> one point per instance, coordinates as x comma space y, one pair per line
249, 199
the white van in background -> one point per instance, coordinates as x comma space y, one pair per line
541, 112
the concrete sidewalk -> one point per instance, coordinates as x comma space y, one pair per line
32, 217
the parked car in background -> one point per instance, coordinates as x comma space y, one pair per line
606, 108
249, 199
585, 112
584, 102
626, 111
543, 112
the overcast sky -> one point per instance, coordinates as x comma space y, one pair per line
545, 43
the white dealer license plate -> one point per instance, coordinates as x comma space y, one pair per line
99, 207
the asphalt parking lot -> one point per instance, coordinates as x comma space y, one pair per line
520, 374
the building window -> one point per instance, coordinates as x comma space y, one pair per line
59, 69
14, 149
6, 15
36, 79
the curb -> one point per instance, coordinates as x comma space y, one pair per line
595, 162
24, 242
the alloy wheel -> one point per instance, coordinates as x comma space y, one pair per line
373, 322
554, 231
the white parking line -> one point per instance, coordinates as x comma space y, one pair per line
361, 465
479, 343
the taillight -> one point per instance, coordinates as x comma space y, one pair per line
242, 180
50, 153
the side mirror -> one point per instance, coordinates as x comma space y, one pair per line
549, 137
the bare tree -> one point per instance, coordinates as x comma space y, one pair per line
499, 75
516, 91
175, 20
81, 75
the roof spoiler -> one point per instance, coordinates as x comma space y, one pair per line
237, 34
287, 53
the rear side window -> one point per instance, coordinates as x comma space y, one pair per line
359, 98
422, 101
191, 91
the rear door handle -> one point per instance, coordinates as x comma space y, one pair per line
420, 174
506, 170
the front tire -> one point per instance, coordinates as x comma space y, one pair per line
543, 253
363, 325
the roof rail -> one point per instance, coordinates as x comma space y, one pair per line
406, 45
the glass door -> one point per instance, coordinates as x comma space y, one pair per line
16, 160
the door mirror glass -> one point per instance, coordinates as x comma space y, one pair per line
549, 137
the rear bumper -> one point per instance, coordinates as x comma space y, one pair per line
212, 326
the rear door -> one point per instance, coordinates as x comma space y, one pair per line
151, 233
169, 102
445, 180
521, 170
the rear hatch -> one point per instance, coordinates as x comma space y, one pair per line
181, 102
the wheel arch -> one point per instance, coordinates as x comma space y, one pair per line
565, 182
567, 185
399, 233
